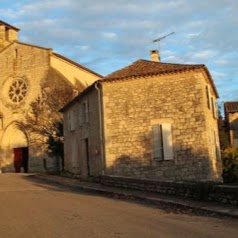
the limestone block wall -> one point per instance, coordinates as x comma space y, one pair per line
233, 123
211, 115
212, 192
132, 106
30, 64
233, 120
83, 154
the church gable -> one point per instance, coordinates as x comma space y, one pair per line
27, 71
24, 68
74, 72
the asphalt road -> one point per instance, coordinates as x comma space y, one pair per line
34, 209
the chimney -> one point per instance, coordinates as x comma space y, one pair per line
154, 56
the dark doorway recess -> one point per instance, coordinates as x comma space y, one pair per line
21, 157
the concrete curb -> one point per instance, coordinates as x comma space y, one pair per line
195, 207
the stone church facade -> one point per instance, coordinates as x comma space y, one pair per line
24, 68
149, 120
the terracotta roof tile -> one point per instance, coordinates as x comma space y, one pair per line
145, 68
142, 68
231, 106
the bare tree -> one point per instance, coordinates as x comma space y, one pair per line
44, 122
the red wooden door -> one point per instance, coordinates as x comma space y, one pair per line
17, 159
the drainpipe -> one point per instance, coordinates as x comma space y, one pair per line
100, 127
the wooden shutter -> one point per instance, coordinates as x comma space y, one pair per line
80, 114
69, 120
215, 109
208, 96
167, 141
72, 120
157, 142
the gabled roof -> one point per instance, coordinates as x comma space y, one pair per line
8, 25
76, 64
142, 68
26, 44
145, 67
231, 106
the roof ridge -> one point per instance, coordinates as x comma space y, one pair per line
32, 45
133, 64
76, 64
9, 25
125, 67
142, 68
178, 64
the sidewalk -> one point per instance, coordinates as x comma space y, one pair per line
148, 197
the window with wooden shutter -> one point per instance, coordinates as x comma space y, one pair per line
162, 141
157, 142
167, 141
85, 112
73, 120
208, 96
69, 120
80, 115
214, 107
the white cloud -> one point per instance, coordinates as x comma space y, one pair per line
222, 62
218, 75
204, 55
95, 32
109, 35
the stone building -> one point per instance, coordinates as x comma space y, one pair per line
231, 118
24, 69
148, 120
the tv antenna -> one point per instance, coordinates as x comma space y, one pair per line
162, 37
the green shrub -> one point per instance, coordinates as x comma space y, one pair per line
230, 165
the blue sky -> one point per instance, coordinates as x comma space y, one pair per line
106, 35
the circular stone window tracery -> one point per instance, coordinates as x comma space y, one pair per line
14, 92
17, 91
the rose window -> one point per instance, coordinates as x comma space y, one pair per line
17, 91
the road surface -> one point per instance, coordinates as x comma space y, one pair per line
30, 208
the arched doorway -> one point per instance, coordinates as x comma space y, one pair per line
14, 149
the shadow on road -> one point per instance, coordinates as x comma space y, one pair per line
75, 186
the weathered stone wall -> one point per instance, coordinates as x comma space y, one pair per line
233, 120
226, 194
20, 61
212, 134
76, 160
33, 65
132, 106
233, 124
